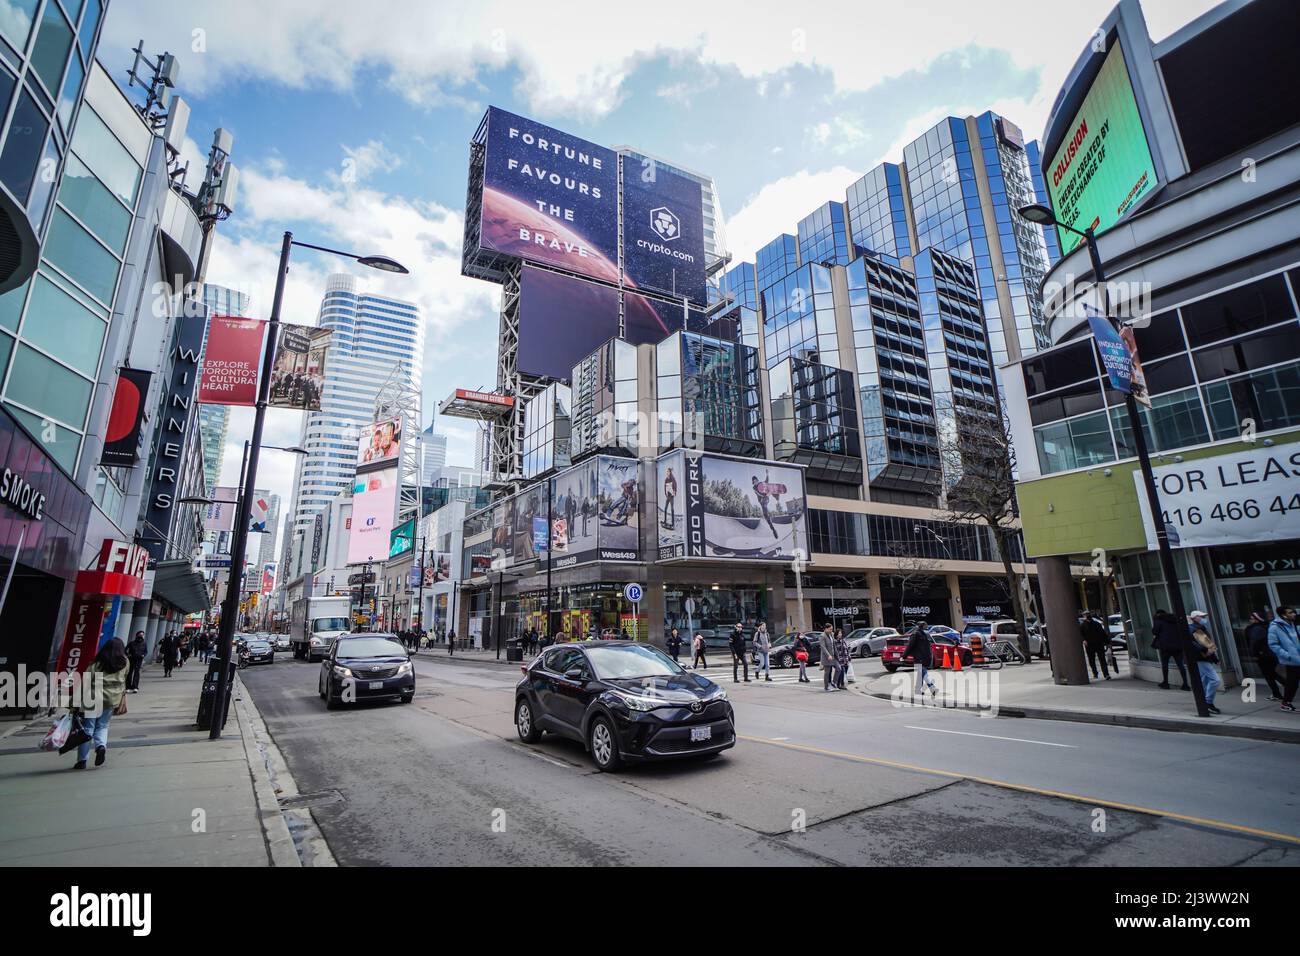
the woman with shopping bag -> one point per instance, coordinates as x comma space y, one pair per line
109, 672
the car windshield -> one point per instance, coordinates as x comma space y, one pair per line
620, 663
982, 626
329, 624
370, 647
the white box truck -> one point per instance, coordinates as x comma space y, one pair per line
315, 623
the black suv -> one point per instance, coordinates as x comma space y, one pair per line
623, 701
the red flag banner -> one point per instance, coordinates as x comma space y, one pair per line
232, 361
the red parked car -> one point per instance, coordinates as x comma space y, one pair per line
892, 655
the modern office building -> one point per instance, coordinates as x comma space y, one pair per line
214, 420
378, 342
1197, 229
433, 449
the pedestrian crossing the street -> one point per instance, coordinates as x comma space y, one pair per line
721, 674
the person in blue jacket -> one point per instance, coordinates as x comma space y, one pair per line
1285, 645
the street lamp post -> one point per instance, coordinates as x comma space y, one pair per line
240, 541
1044, 216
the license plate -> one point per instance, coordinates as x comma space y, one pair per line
376, 685
701, 733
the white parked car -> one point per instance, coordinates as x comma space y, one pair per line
1007, 630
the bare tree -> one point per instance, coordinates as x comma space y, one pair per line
979, 466
911, 568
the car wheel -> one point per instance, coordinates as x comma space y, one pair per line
407, 698
787, 660
603, 744
524, 723
891, 667
331, 702
320, 689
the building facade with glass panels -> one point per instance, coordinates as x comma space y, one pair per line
1207, 270
47, 48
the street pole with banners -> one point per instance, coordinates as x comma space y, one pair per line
1042, 215
239, 543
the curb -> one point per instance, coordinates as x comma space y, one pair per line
279, 841
1172, 724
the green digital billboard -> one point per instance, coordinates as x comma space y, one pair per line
402, 538
1104, 165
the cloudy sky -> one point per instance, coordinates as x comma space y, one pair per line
351, 121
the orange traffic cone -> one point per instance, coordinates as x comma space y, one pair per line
956, 658
945, 663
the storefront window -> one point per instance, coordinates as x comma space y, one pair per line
1142, 592
713, 612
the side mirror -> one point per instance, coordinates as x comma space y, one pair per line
573, 673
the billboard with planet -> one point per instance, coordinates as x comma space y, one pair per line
549, 197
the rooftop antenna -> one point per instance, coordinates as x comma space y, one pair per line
158, 81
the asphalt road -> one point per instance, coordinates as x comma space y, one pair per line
815, 779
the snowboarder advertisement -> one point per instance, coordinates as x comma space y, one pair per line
752, 513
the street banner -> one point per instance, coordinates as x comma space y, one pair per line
1115, 354
219, 515
1139, 379
122, 435
539, 533
232, 360
257, 515
298, 374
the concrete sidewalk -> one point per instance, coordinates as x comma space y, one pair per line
167, 795
1028, 691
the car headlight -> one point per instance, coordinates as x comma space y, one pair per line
636, 702
315, 642
341, 671
405, 668
719, 693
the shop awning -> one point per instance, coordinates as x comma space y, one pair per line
177, 583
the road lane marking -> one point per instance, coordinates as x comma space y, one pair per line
1025, 788
780, 738
964, 733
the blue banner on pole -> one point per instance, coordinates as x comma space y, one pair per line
1115, 355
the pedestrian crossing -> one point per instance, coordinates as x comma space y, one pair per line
721, 674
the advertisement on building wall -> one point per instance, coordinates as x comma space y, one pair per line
122, 434
374, 506
232, 361
1242, 497
402, 538
729, 508
380, 445
528, 506
562, 320
672, 522
1104, 166
549, 197
618, 504
298, 374
573, 516
663, 231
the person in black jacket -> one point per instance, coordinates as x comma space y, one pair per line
1257, 642
1095, 641
738, 653
920, 648
801, 644
137, 650
674, 643
170, 648
1168, 640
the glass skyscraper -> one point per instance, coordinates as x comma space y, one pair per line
376, 341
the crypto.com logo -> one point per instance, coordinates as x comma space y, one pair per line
665, 224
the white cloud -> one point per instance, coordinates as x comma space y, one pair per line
779, 206
576, 63
361, 162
